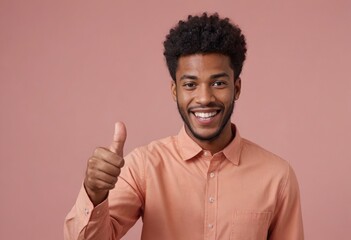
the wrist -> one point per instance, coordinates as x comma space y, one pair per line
96, 197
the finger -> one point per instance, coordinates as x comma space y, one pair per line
107, 156
99, 185
119, 139
109, 169
105, 177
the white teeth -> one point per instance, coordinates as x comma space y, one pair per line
205, 114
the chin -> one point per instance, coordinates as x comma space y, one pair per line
209, 136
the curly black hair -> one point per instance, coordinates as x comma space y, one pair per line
205, 34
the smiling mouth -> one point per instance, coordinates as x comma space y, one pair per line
205, 115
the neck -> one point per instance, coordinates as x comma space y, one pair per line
217, 144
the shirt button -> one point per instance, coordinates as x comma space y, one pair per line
86, 211
206, 153
210, 225
211, 199
212, 174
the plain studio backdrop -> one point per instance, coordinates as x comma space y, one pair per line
70, 69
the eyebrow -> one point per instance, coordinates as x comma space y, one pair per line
219, 75
186, 76
214, 76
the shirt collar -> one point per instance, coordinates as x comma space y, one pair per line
189, 149
233, 150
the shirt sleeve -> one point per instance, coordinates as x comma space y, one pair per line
112, 218
287, 220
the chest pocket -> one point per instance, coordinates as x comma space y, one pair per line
248, 225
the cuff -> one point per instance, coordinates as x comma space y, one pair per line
86, 207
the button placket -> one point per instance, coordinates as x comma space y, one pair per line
211, 203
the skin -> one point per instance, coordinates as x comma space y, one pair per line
205, 83
104, 167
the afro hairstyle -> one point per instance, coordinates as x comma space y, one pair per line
205, 34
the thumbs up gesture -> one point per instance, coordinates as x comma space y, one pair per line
105, 166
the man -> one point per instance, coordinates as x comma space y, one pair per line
205, 183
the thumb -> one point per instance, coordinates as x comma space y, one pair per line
119, 138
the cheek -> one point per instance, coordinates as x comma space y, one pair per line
183, 98
226, 97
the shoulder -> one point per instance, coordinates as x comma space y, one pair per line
256, 153
253, 156
269, 167
139, 160
154, 150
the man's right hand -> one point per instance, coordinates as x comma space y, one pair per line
105, 166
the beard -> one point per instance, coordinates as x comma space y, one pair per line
226, 118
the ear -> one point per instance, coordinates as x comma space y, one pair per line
237, 88
174, 90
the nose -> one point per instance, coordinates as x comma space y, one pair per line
204, 95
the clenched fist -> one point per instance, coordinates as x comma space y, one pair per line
105, 166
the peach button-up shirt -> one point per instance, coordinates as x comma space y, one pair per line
184, 193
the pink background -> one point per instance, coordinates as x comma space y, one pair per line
70, 69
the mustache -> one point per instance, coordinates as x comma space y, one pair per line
210, 105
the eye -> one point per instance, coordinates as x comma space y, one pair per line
219, 84
189, 85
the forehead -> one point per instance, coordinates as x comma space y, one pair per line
198, 64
